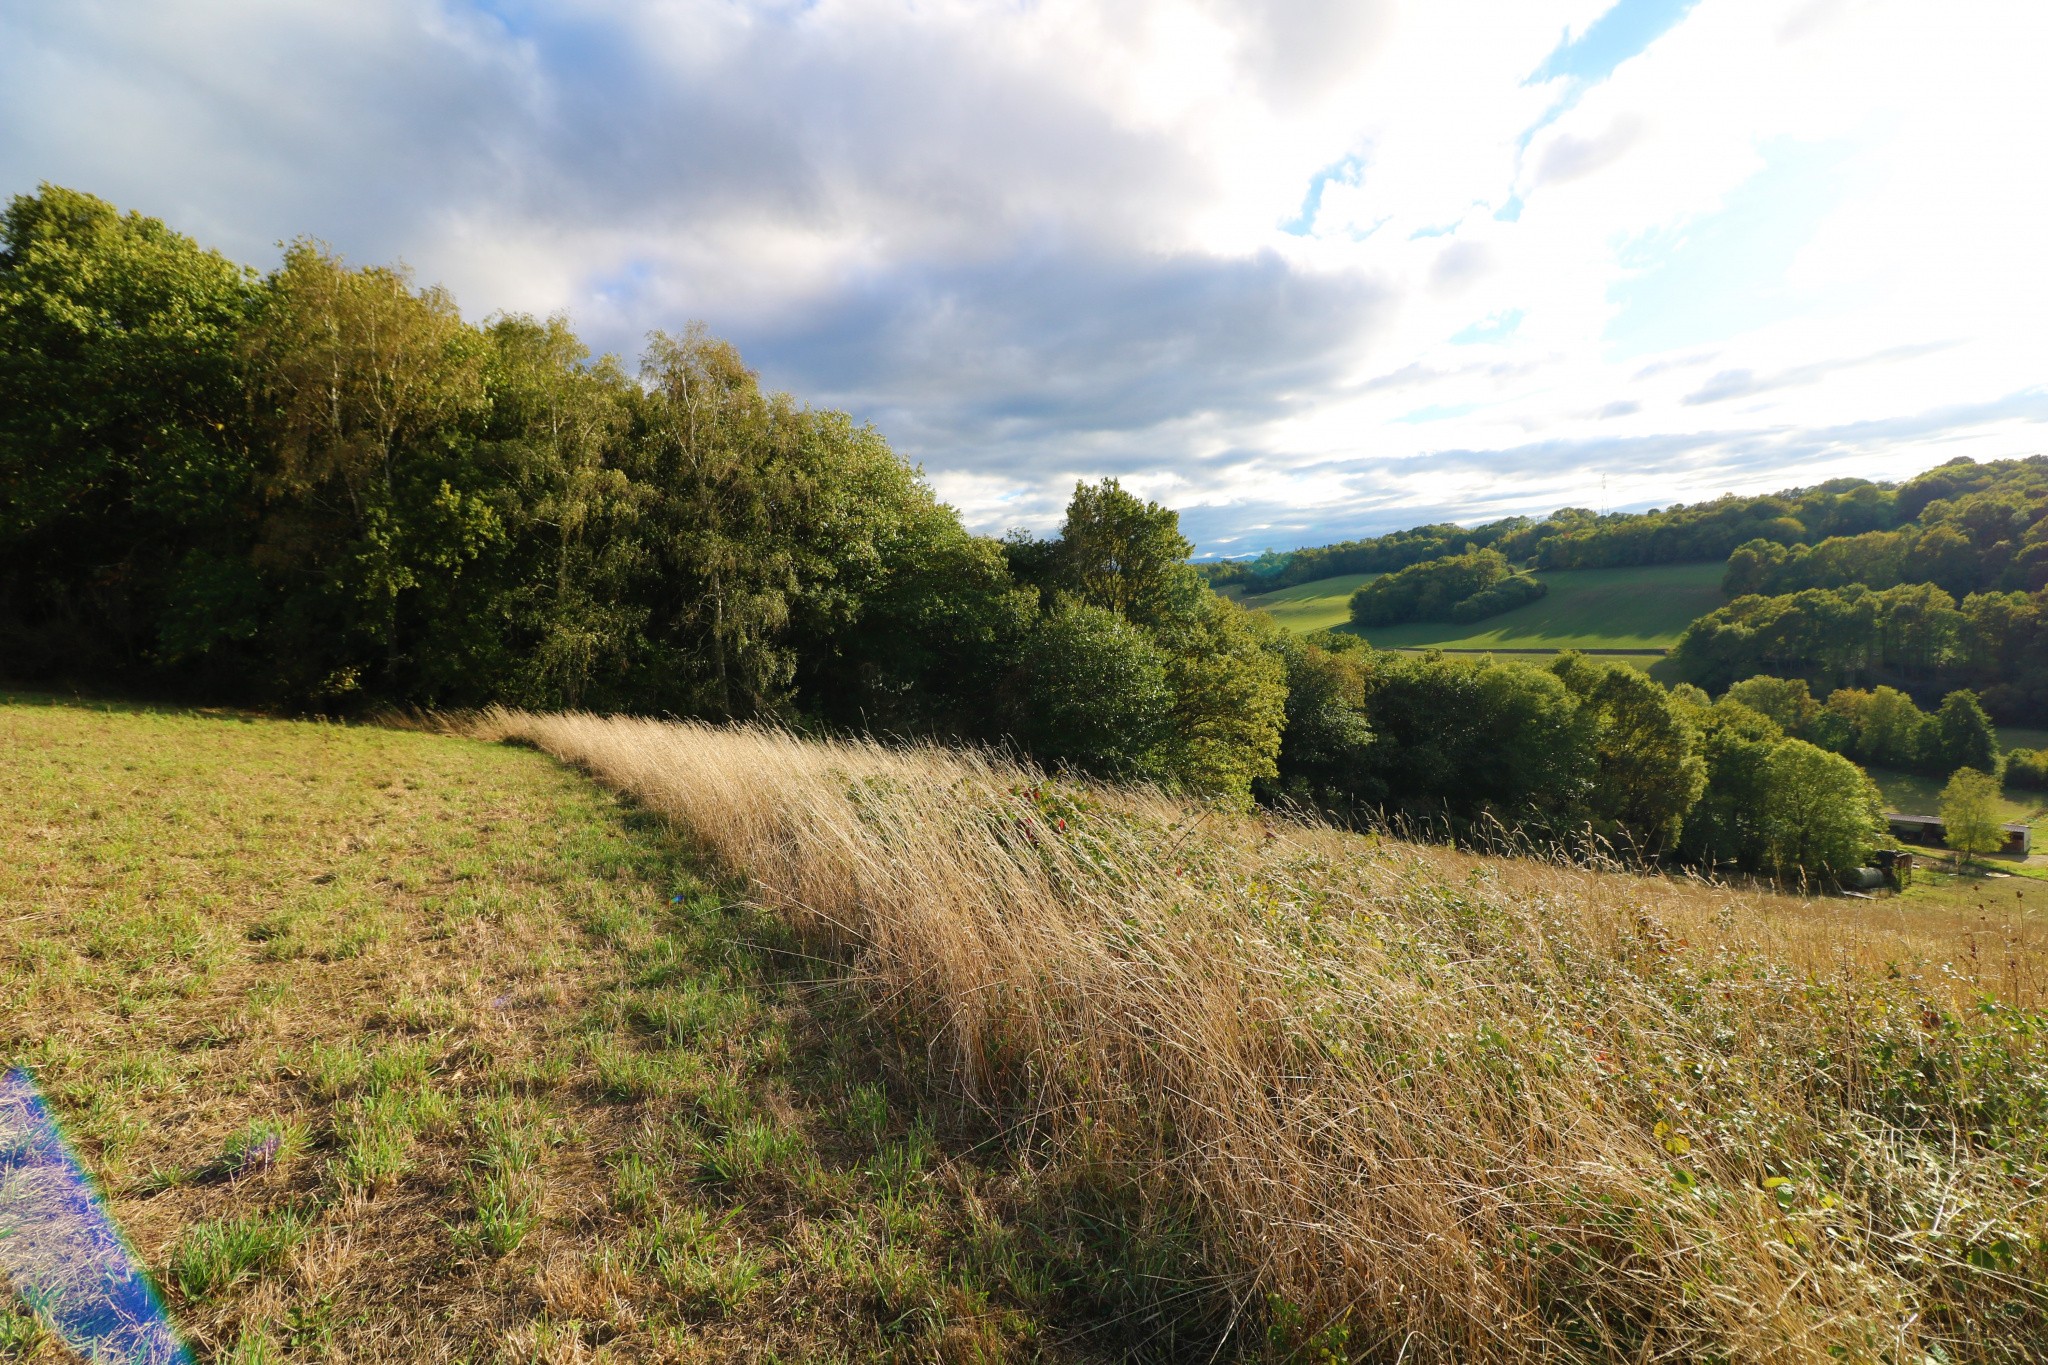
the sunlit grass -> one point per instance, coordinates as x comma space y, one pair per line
1381, 1099
392, 1046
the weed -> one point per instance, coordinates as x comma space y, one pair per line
896, 1166
376, 1147
216, 1255
259, 1145
865, 1116
22, 1334
506, 1207
636, 1184
751, 1152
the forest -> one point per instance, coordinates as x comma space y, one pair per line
1576, 538
320, 489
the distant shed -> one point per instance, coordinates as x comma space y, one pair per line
1931, 829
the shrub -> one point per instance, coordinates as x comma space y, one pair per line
1516, 591
1431, 590
2027, 768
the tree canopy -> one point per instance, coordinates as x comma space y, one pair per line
322, 488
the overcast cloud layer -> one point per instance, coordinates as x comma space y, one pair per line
1302, 269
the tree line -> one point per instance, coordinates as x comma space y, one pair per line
1965, 526
1913, 635
1576, 538
1566, 752
321, 488
1988, 533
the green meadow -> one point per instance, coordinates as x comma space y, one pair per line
1643, 610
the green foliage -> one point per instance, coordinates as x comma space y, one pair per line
1788, 702
1326, 735
214, 1255
1822, 814
2027, 768
1125, 555
1970, 528
1969, 813
1994, 643
1099, 693
1461, 587
1961, 735
1774, 803
1469, 747
1887, 729
124, 468
1575, 538
325, 489
1646, 773
1731, 823
1454, 740
1516, 590
1229, 691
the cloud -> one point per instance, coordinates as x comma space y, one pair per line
1572, 157
1744, 383
1298, 267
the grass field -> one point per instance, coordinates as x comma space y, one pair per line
1919, 795
1588, 1138
824, 1051
1644, 609
530, 1085
2020, 737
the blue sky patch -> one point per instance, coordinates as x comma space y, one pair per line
1613, 38
1437, 412
1724, 273
1498, 327
1345, 172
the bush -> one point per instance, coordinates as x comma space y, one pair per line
1438, 589
1506, 595
1100, 698
2027, 768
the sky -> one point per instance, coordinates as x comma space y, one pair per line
1302, 270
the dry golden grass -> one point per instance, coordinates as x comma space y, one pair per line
1343, 1097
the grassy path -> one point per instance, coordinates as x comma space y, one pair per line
519, 1081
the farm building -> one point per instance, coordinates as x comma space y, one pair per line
1930, 829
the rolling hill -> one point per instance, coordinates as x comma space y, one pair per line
1637, 609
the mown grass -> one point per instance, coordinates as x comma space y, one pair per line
1337, 1098
1642, 609
397, 1046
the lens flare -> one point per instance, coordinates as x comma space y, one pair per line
61, 1251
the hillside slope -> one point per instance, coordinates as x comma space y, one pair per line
964, 1063
1632, 609
1413, 1102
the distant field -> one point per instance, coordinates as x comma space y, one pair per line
1642, 610
1320, 604
2019, 737
1913, 794
1918, 795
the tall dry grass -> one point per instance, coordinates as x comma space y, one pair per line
1415, 1104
